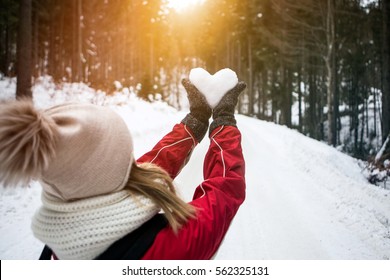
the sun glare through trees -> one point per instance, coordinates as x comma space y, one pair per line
182, 5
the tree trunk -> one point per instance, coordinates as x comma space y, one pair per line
375, 112
239, 71
23, 88
35, 44
4, 30
76, 41
386, 70
312, 111
151, 59
384, 150
250, 77
75, 57
331, 72
80, 41
300, 70
289, 101
265, 93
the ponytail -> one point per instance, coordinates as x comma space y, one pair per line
153, 182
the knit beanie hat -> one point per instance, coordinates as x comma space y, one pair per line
76, 150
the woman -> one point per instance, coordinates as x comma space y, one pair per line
99, 203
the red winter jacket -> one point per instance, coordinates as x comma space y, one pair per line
216, 199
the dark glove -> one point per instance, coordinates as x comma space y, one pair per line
200, 112
223, 113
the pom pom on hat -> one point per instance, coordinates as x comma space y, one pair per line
75, 150
27, 142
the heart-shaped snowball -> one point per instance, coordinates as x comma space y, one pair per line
213, 87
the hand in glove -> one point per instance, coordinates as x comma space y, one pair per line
223, 113
200, 111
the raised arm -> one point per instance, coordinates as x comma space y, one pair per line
218, 198
173, 151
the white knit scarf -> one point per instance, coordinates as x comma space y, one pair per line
86, 228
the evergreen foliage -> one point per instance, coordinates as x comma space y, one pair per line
331, 57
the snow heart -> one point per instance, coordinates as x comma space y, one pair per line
213, 87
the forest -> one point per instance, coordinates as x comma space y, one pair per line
318, 66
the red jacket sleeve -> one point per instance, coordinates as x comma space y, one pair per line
173, 151
217, 200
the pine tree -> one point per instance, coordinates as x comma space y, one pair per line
23, 67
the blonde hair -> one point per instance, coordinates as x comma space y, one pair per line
155, 183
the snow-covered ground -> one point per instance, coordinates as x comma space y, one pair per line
305, 200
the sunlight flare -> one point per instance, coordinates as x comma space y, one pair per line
181, 5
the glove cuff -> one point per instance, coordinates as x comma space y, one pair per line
198, 128
225, 120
